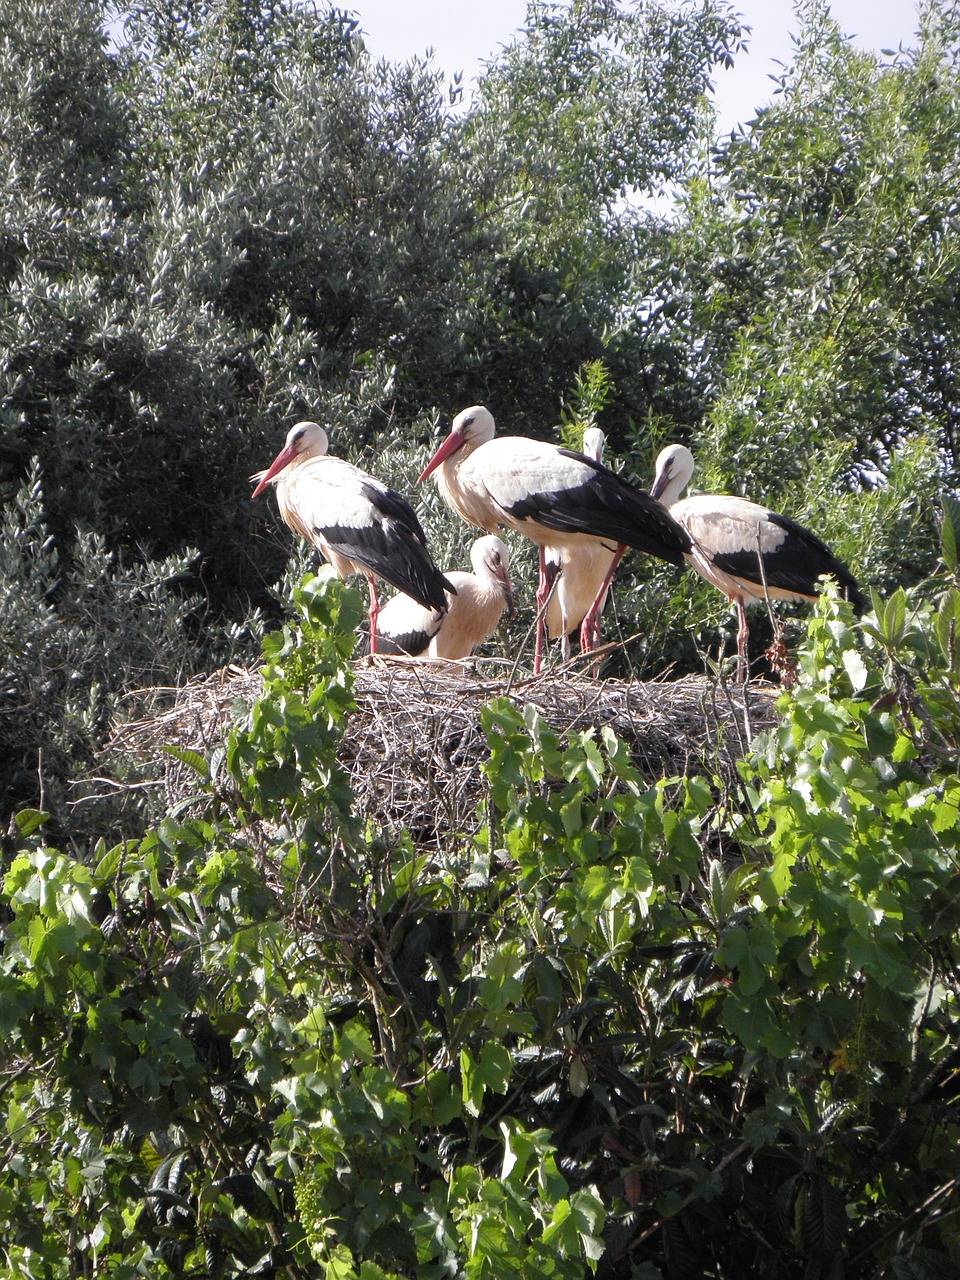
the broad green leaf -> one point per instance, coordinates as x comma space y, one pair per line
339, 1264
30, 820
894, 618
353, 1042
192, 759
950, 531
856, 669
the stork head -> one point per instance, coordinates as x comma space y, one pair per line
674, 471
470, 427
490, 558
304, 440
593, 443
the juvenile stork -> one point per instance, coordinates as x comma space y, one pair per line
745, 550
580, 568
472, 615
550, 494
358, 524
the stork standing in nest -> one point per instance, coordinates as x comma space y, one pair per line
745, 550
549, 494
471, 617
358, 524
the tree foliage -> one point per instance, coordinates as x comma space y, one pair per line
644, 1027
232, 217
822, 241
650, 1028
264, 224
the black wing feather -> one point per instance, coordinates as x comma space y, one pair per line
795, 565
392, 545
409, 645
393, 553
393, 506
608, 506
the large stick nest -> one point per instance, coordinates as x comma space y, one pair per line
414, 749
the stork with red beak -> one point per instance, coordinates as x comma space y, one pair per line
358, 524
580, 569
745, 550
472, 615
550, 494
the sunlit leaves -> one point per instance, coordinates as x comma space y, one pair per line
689, 970
691, 1024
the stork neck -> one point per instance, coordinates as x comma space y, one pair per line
669, 493
673, 490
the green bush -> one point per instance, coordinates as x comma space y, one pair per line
660, 1028
79, 625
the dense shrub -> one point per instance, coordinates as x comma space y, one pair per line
229, 218
656, 1028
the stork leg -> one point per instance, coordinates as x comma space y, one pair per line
373, 612
544, 588
590, 627
743, 637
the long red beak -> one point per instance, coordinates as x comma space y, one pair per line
283, 459
450, 446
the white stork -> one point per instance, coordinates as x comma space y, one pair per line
472, 615
359, 524
745, 550
549, 494
580, 569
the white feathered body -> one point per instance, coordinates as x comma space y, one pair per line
471, 617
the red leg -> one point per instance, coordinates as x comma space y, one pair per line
589, 632
590, 627
743, 637
374, 614
543, 595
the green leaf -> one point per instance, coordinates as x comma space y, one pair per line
950, 531
339, 1264
492, 1070
51, 945
192, 759
894, 619
106, 869
821, 1219
856, 669
186, 981
495, 1067
947, 626
353, 1043
471, 1083
370, 1271
571, 815
946, 814
30, 820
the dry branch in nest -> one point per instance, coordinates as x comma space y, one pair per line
414, 748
